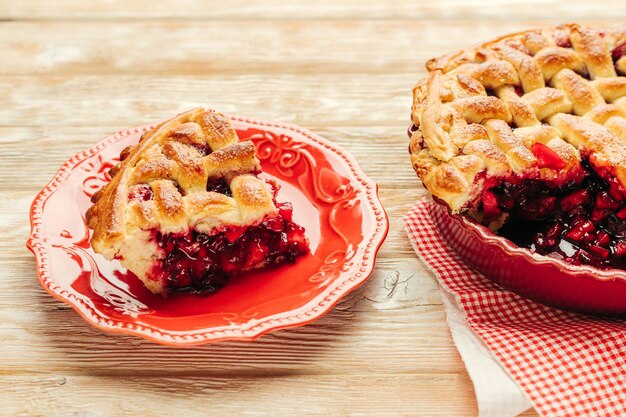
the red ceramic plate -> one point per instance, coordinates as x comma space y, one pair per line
332, 198
541, 278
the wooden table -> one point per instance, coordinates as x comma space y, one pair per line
74, 72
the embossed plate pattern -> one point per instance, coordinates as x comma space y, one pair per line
333, 199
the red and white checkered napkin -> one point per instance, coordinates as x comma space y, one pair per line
566, 364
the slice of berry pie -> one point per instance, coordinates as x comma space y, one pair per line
186, 209
527, 135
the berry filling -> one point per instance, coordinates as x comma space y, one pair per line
546, 157
583, 222
140, 192
562, 40
618, 52
197, 262
218, 185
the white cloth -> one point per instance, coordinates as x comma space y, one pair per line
497, 394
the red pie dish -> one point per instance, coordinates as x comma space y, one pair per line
545, 279
522, 142
332, 199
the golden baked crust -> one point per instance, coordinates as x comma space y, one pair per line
173, 162
480, 111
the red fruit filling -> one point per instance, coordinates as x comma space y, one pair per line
546, 157
582, 222
218, 185
197, 262
564, 42
562, 39
490, 205
618, 52
140, 192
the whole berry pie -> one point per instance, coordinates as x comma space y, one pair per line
186, 208
527, 135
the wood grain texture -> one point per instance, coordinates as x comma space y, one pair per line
125, 100
241, 47
75, 72
265, 396
479, 10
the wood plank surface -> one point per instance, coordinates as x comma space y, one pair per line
234, 46
74, 72
481, 11
264, 396
249, 47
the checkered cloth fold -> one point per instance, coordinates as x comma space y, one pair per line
567, 364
